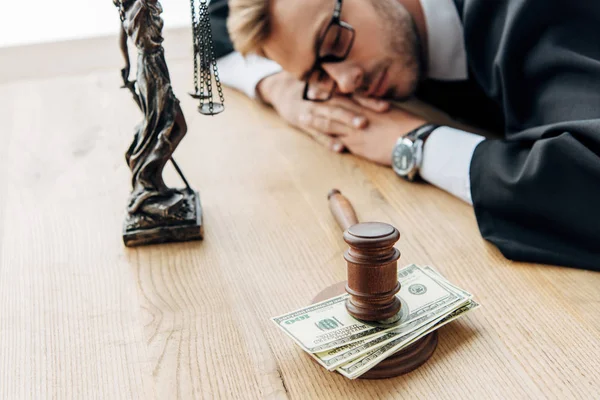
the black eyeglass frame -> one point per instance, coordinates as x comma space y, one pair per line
335, 20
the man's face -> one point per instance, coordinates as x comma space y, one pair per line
384, 61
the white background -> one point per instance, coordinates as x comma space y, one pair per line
39, 21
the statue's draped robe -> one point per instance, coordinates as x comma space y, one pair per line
159, 133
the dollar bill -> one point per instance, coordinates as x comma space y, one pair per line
332, 359
435, 274
359, 366
327, 325
460, 312
337, 357
323, 326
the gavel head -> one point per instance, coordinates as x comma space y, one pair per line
372, 272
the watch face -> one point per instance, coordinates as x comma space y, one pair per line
403, 159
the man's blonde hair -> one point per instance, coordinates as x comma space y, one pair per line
249, 25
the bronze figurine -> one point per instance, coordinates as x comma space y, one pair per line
157, 213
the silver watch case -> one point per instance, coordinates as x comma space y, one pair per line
406, 157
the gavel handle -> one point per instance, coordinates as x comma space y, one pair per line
342, 209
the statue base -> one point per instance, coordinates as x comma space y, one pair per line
400, 363
184, 225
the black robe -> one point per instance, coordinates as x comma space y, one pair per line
534, 73
537, 193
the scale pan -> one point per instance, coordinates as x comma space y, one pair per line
205, 109
199, 96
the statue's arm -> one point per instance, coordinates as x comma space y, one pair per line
125, 53
125, 71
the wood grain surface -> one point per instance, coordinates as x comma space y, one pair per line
81, 316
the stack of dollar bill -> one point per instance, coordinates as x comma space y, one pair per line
351, 347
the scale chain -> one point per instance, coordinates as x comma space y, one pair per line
213, 59
205, 63
195, 43
205, 20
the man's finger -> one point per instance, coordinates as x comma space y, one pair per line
341, 114
376, 105
336, 146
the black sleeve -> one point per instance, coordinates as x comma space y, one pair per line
219, 10
537, 194
540, 201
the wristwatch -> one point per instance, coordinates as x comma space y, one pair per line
408, 152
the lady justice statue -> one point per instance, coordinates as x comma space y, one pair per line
155, 212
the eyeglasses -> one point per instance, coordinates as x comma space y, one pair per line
333, 47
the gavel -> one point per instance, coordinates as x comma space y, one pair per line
372, 263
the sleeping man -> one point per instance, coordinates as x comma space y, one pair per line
529, 69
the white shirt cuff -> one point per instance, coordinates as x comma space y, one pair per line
245, 73
447, 158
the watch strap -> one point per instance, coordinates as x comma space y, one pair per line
421, 134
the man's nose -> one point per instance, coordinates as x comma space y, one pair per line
348, 78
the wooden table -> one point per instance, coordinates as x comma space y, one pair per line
81, 316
